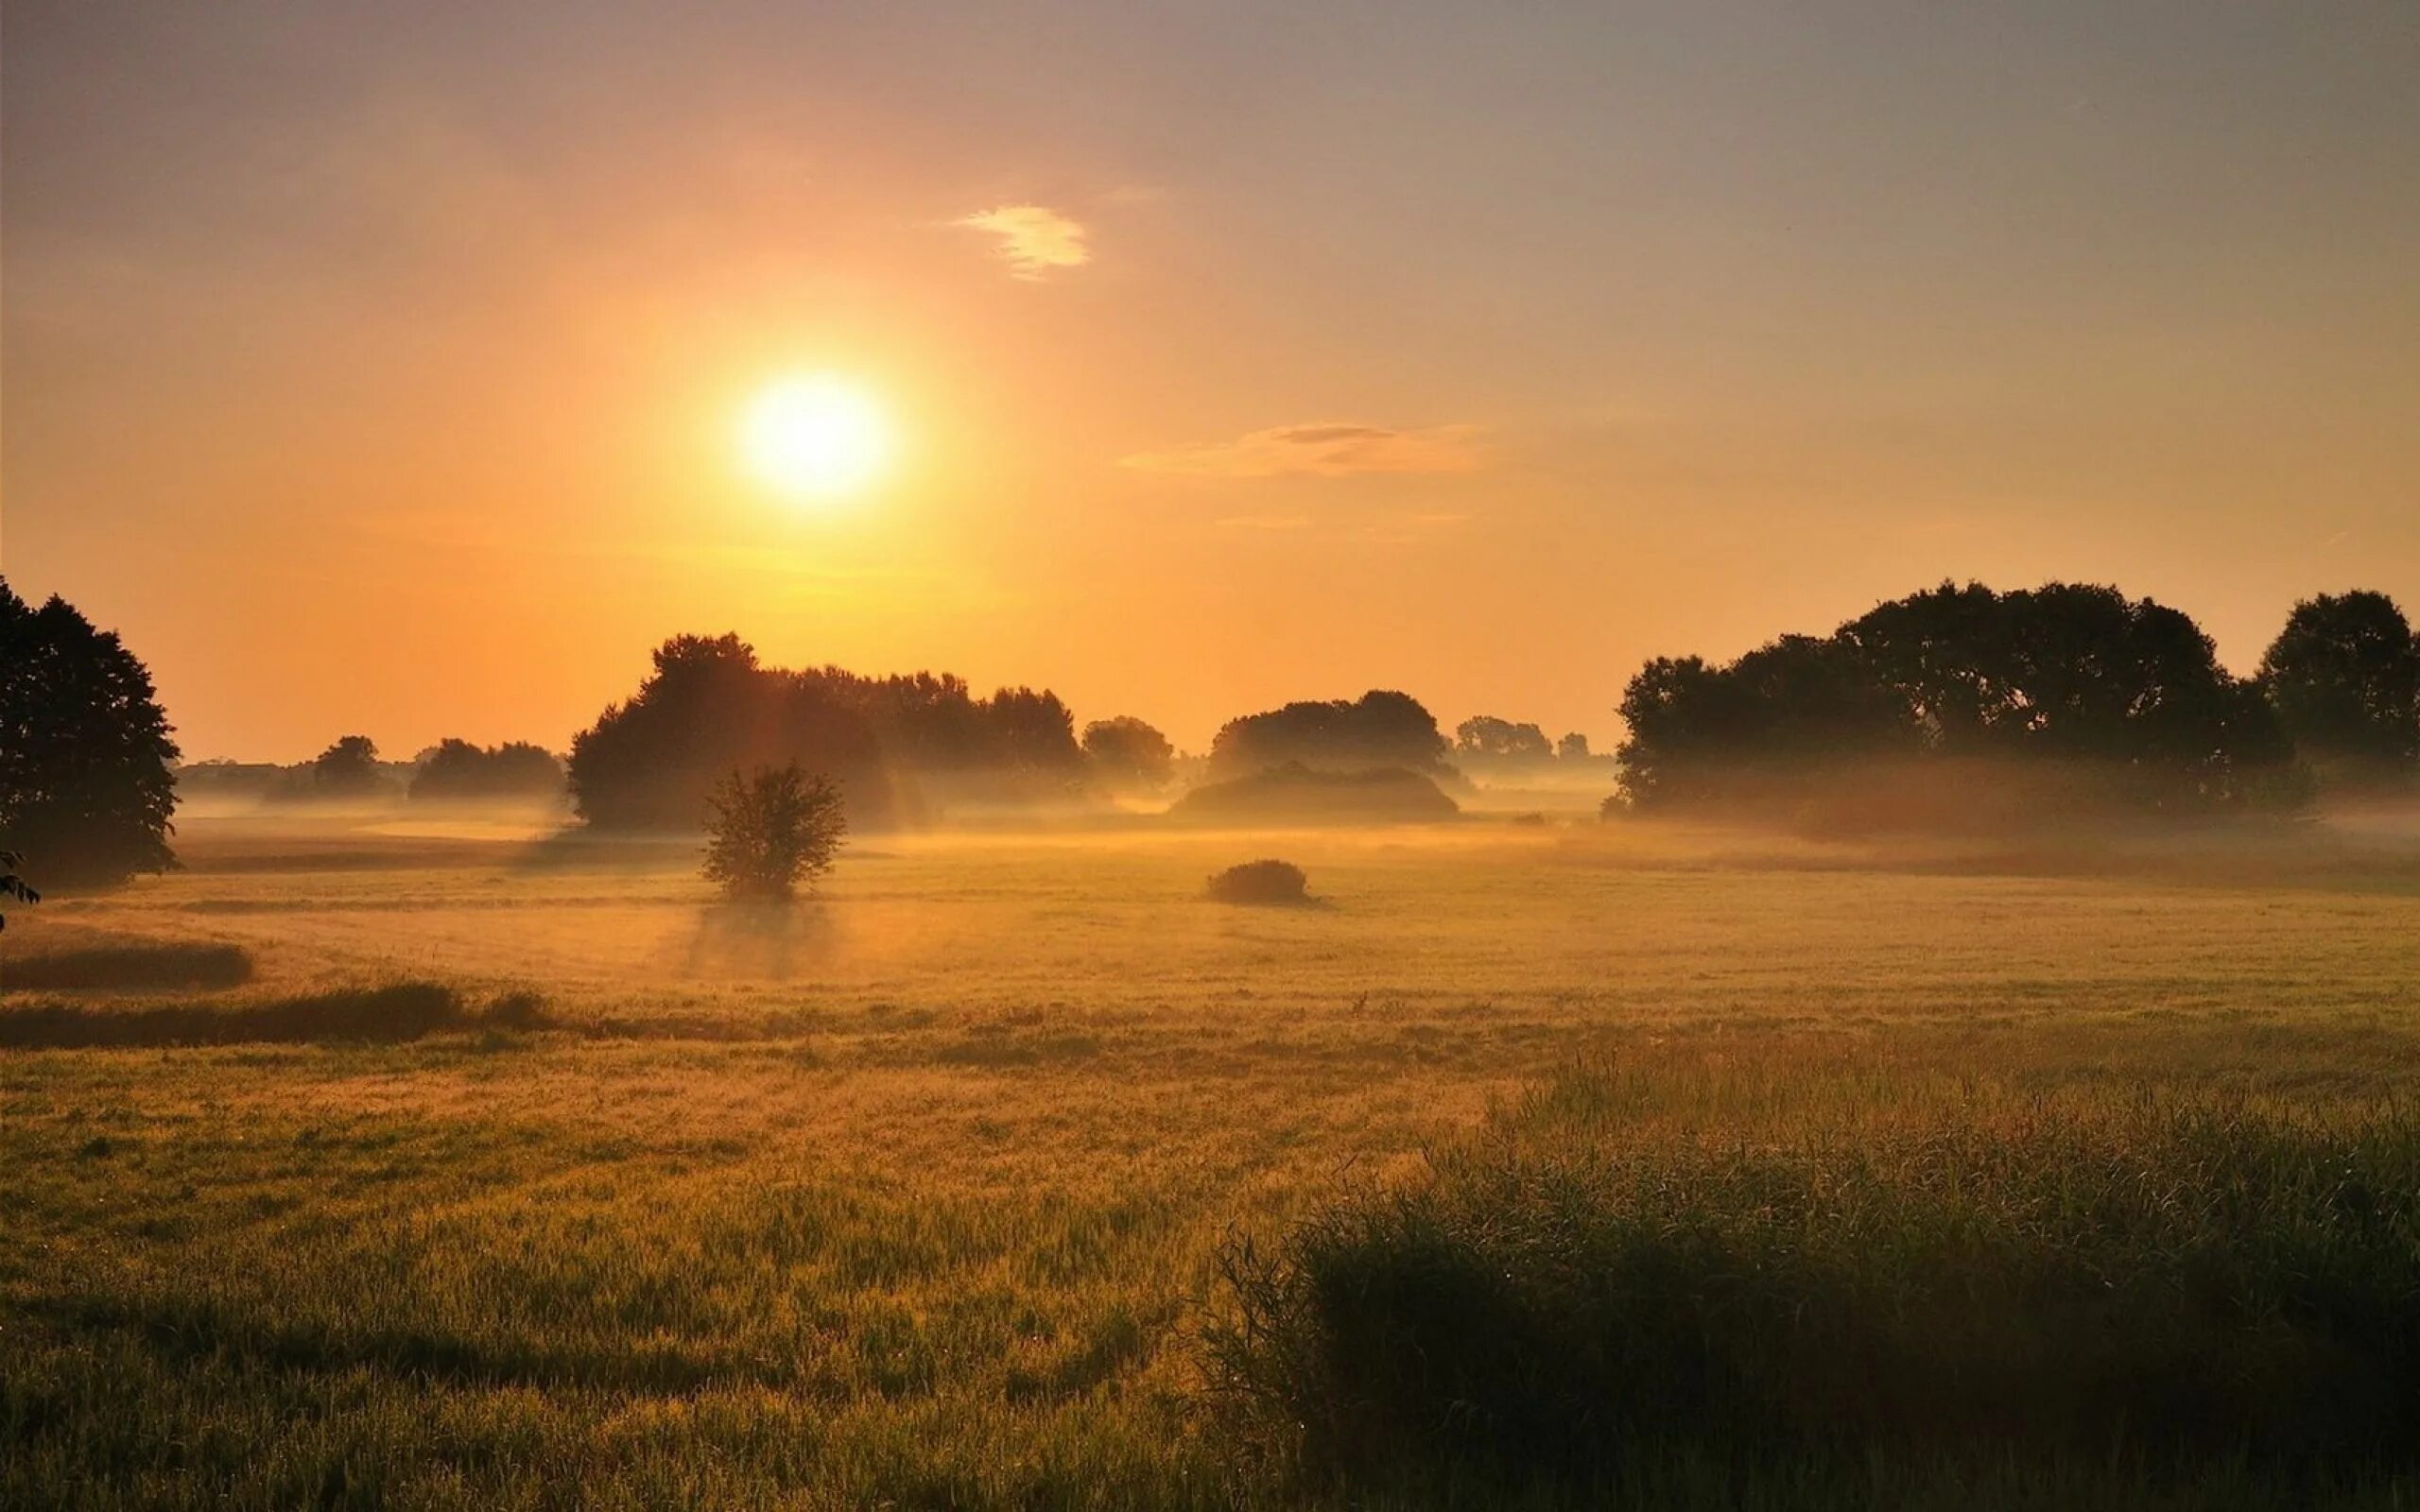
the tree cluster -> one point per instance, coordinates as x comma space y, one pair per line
711, 708
1379, 730
2130, 689
459, 772
86, 788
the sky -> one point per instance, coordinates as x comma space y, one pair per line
379, 368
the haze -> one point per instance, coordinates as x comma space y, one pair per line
377, 368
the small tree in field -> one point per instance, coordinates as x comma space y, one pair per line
769, 832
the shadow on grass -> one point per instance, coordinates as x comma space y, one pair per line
147, 964
391, 1014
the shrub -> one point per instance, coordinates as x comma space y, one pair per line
769, 832
1580, 1298
1261, 882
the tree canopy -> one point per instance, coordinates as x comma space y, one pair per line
710, 707
86, 785
1128, 756
1378, 730
2067, 671
2345, 676
457, 771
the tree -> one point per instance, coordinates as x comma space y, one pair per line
2130, 689
1572, 747
710, 709
1128, 756
13, 887
85, 753
457, 771
771, 830
349, 768
1488, 738
2345, 677
1380, 728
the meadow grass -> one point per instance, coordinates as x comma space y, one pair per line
919, 1196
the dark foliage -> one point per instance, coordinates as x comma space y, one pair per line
771, 830
402, 1012
2345, 676
137, 965
1280, 882
1295, 793
1564, 1305
710, 708
1488, 738
1128, 756
85, 754
2128, 688
459, 772
13, 887
1377, 729
348, 771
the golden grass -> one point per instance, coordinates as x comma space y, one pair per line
914, 1195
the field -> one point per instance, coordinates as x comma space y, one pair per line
930, 1193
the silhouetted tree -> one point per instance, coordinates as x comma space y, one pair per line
1488, 738
347, 771
2344, 677
1128, 756
85, 753
708, 710
13, 887
1378, 730
1572, 747
457, 771
2066, 671
767, 832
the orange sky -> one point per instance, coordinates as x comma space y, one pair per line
380, 373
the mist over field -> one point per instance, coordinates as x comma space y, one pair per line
1091, 757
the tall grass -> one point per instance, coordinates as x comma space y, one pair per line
1617, 1277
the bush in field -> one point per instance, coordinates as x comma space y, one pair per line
85, 781
1261, 882
1582, 1295
770, 831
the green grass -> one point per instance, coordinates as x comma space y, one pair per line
918, 1196
1633, 1270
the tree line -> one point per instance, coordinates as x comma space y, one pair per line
2073, 674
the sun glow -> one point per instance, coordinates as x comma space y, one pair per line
816, 438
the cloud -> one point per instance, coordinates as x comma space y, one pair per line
1035, 241
1266, 521
1324, 450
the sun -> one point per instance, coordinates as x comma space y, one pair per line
820, 437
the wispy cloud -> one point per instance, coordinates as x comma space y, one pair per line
1266, 521
1324, 450
1036, 242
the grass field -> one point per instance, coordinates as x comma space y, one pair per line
927, 1195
